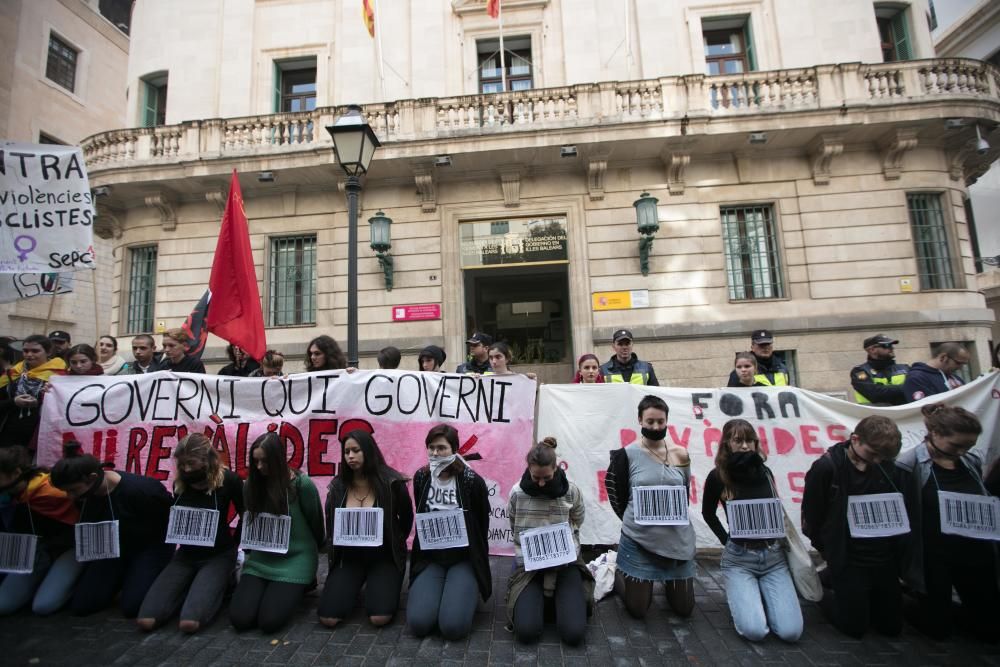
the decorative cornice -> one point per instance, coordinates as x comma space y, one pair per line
821, 152
423, 176
676, 163
894, 146
510, 182
167, 206
461, 7
108, 223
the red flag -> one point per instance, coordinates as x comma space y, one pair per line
493, 8
234, 310
368, 14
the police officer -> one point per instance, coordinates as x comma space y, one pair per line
771, 371
479, 354
879, 381
625, 366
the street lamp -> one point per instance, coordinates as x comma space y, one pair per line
354, 144
647, 220
379, 225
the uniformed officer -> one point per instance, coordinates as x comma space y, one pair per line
879, 381
478, 360
771, 371
625, 366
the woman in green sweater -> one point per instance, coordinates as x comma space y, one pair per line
282, 534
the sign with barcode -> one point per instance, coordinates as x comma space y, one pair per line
357, 527
442, 530
877, 515
266, 532
17, 553
969, 515
660, 505
548, 546
97, 541
192, 526
758, 519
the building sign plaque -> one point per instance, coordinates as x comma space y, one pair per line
638, 298
520, 241
423, 311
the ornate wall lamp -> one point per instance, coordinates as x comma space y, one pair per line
647, 218
380, 227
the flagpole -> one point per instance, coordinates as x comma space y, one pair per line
628, 37
52, 304
97, 312
503, 66
378, 51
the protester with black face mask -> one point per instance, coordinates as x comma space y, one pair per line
947, 554
759, 585
132, 508
196, 579
648, 485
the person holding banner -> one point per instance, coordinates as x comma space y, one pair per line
37, 538
500, 357
240, 364
431, 358
271, 365
955, 545
745, 368
450, 559
107, 354
369, 515
22, 389
146, 358
323, 354
546, 511
759, 585
119, 537
175, 354
196, 579
588, 370
82, 360
649, 487
282, 532
856, 514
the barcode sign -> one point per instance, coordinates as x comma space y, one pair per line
660, 505
97, 541
193, 526
442, 530
17, 553
358, 527
877, 515
760, 519
969, 515
266, 532
548, 546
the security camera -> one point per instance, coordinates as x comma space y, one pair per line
982, 146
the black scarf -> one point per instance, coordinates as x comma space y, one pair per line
557, 487
745, 468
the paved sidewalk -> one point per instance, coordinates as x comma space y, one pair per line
613, 638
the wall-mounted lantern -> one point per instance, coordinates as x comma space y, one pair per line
380, 225
647, 219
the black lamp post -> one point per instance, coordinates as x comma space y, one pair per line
354, 144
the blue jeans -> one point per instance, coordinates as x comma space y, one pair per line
444, 597
760, 592
48, 588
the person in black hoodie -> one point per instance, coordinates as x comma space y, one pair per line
937, 375
771, 371
445, 583
141, 506
175, 354
864, 570
240, 363
431, 358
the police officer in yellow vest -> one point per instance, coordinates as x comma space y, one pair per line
879, 381
625, 366
771, 371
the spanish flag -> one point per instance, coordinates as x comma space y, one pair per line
368, 14
493, 8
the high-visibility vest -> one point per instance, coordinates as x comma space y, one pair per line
780, 379
640, 374
897, 379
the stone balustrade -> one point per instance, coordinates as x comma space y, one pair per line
691, 96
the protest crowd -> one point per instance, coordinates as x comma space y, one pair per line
897, 533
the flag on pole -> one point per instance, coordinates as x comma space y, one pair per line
234, 312
493, 8
368, 14
194, 326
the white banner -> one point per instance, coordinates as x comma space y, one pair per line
795, 427
14, 286
46, 209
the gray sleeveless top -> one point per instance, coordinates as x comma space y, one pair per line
675, 542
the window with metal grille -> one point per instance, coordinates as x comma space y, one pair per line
930, 238
292, 274
141, 289
61, 65
753, 258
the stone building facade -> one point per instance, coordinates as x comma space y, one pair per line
806, 179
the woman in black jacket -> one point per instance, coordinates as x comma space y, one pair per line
365, 481
446, 576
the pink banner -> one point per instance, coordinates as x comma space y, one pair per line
135, 421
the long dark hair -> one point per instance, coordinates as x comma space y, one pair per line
335, 358
273, 492
376, 470
74, 466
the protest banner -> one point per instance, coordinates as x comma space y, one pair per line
795, 427
46, 209
14, 286
135, 421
